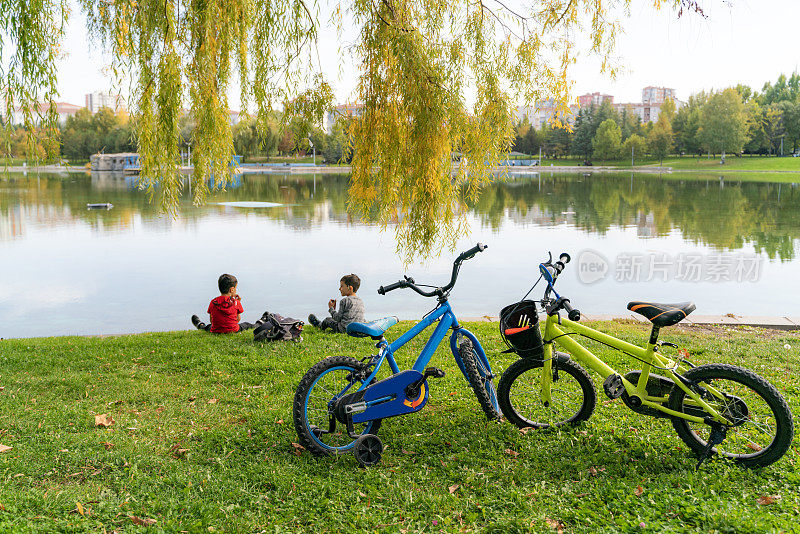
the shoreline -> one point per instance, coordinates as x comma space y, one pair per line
782, 323
509, 170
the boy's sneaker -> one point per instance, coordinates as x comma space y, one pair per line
313, 321
198, 323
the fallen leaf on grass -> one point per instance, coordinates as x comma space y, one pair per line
638, 491
766, 500
279, 422
212, 401
79, 508
526, 430
5, 448
104, 420
452, 489
511, 453
556, 525
594, 470
753, 446
159, 409
178, 452
298, 449
143, 521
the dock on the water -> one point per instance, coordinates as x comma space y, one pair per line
123, 161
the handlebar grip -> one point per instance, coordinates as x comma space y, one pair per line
480, 247
391, 287
572, 313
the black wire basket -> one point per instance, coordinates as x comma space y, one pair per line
519, 328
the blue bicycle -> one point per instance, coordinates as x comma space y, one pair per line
339, 404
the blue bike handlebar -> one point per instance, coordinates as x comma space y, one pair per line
439, 291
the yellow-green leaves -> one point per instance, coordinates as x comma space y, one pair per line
438, 82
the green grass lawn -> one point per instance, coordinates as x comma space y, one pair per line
692, 163
202, 441
744, 163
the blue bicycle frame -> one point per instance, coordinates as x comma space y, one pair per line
447, 320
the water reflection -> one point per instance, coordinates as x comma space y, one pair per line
133, 269
721, 213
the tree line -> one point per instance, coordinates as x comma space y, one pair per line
84, 134
737, 120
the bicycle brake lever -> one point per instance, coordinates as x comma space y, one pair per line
408, 279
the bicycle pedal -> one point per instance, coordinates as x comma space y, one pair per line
434, 372
613, 386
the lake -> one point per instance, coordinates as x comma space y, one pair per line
729, 245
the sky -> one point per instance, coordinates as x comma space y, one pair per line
739, 41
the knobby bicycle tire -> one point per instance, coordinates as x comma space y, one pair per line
481, 385
746, 438
520, 409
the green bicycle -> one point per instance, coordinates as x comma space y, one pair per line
715, 408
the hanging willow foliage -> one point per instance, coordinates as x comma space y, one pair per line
438, 81
32, 30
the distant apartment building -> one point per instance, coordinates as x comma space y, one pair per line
63, 109
338, 112
594, 99
649, 108
657, 95
98, 100
541, 113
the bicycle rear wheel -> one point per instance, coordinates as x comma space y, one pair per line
572, 393
480, 380
315, 400
760, 425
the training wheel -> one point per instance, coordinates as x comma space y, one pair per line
368, 449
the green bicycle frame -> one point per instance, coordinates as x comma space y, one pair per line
559, 331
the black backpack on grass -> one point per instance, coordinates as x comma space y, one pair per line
278, 328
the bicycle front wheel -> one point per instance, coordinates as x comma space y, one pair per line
760, 426
314, 403
480, 380
572, 393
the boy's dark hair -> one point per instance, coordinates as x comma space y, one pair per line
352, 280
227, 281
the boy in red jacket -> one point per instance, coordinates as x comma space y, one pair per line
225, 310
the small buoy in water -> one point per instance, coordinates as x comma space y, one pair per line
101, 206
